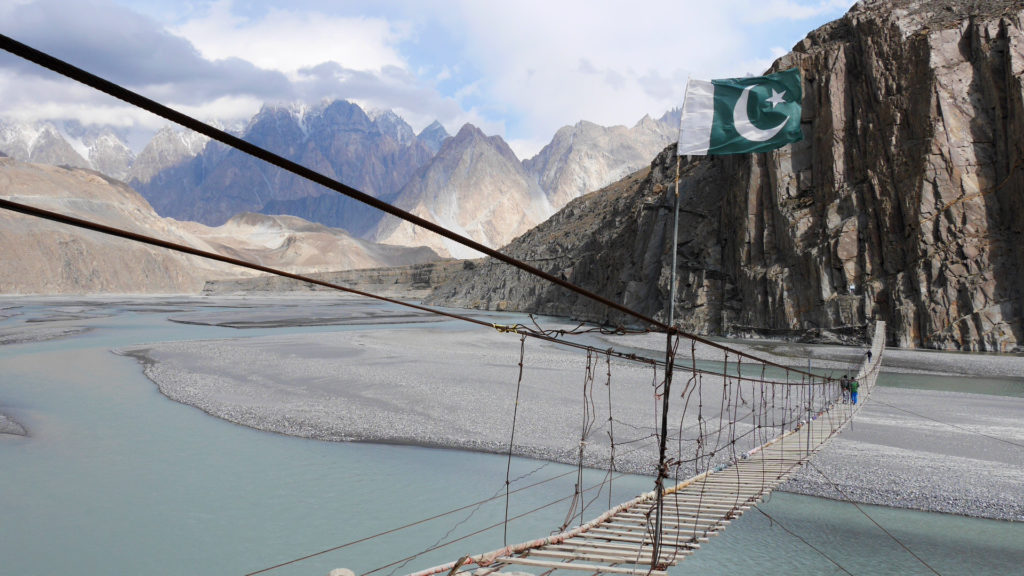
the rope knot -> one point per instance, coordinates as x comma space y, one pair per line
505, 329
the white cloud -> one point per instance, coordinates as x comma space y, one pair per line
547, 64
287, 41
228, 109
519, 69
554, 63
767, 10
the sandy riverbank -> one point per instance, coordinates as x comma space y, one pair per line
455, 387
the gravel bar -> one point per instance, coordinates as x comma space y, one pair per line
449, 387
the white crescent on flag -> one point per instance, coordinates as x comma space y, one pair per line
741, 120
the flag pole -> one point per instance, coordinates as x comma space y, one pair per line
659, 485
697, 129
675, 243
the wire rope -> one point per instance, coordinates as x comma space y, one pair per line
804, 540
873, 521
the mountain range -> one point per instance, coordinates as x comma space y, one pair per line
471, 182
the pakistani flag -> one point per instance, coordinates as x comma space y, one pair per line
741, 115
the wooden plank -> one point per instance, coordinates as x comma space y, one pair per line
720, 489
684, 501
742, 478
604, 547
642, 538
583, 567
588, 556
691, 521
630, 537
641, 521
730, 479
680, 514
668, 558
610, 545
674, 513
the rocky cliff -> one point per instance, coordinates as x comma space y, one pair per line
338, 139
585, 157
168, 148
67, 143
474, 185
904, 202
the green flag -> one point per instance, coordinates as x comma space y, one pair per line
741, 115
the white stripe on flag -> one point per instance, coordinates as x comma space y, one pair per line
695, 123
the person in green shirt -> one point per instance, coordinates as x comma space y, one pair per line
853, 390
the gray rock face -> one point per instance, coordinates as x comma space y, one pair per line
611, 241
168, 148
41, 142
585, 157
104, 149
433, 136
474, 185
904, 201
338, 140
67, 143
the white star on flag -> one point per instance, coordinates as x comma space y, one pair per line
777, 98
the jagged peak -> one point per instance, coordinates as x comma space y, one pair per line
270, 112
301, 113
435, 127
672, 117
469, 131
391, 124
383, 115
470, 136
193, 142
646, 121
433, 136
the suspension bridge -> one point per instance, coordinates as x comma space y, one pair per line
626, 539
767, 425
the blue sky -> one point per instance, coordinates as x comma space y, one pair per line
517, 69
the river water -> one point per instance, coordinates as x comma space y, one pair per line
116, 479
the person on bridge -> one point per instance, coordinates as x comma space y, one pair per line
853, 390
869, 356
844, 386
